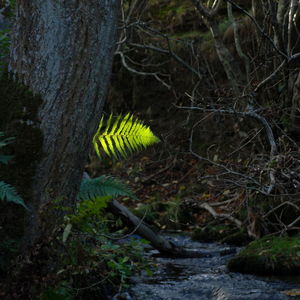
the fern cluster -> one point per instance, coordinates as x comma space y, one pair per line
7, 192
4, 159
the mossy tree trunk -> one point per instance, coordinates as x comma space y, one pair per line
63, 50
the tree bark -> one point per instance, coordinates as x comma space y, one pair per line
63, 51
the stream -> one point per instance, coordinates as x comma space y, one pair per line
204, 278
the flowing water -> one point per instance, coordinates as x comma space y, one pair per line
204, 278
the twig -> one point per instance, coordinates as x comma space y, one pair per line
151, 31
293, 223
94, 284
208, 13
280, 205
260, 29
270, 77
221, 215
244, 145
251, 114
155, 75
237, 41
157, 173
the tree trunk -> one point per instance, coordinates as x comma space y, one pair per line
63, 50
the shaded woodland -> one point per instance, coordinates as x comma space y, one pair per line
218, 83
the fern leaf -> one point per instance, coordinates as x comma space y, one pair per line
4, 159
103, 186
122, 136
5, 141
8, 193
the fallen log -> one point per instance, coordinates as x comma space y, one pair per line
164, 246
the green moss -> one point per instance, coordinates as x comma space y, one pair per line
269, 255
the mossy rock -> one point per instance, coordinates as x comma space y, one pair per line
269, 256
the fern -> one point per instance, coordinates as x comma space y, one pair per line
8, 193
4, 159
88, 212
103, 186
122, 136
3, 142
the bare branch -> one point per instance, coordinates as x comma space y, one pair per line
155, 75
208, 13
219, 165
263, 33
270, 77
252, 114
292, 13
237, 41
221, 215
171, 53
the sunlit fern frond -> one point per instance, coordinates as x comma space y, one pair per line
122, 136
91, 189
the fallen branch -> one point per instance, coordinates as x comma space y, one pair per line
164, 246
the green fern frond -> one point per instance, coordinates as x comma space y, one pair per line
87, 209
103, 186
5, 141
4, 159
122, 136
8, 193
